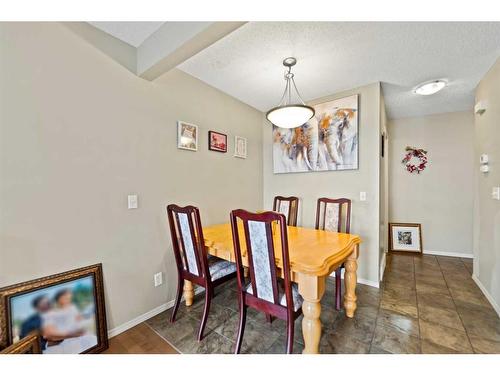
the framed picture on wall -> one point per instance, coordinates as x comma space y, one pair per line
329, 141
66, 310
187, 136
217, 141
405, 237
240, 147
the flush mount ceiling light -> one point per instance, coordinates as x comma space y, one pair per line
429, 88
289, 114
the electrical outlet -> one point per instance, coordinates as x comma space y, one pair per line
158, 279
362, 196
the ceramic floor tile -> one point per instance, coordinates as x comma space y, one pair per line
444, 336
217, 315
402, 301
432, 348
376, 350
256, 337
484, 346
212, 343
176, 332
406, 324
279, 347
485, 328
337, 343
435, 300
475, 297
359, 327
394, 340
227, 298
445, 317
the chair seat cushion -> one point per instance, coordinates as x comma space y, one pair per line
297, 298
219, 267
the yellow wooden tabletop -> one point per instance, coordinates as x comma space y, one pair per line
311, 251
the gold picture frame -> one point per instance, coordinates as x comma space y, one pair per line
28, 345
91, 275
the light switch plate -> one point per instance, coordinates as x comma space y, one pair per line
158, 278
132, 201
362, 196
495, 193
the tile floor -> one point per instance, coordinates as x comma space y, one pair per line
426, 304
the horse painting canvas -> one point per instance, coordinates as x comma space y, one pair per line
327, 142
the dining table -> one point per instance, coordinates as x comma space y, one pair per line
314, 254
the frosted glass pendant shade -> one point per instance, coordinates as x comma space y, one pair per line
290, 116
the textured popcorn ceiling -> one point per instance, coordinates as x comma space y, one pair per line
133, 33
336, 56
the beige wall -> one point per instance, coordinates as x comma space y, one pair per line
487, 210
78, 132
311, 186
441, 197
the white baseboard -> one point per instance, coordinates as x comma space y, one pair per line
360, 281
142, 318
382, 266
374, 284
448, 254
486, 294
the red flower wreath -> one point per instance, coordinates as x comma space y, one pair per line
417, 153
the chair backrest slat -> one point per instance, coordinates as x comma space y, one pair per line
288, 206
330, 215
261, 253
187, 239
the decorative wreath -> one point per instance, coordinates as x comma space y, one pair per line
415, 153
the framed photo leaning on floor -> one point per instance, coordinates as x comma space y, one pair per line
66, 310
405, 237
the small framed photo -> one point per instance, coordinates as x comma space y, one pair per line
405, 237
217, 141
66, 310
28, 345
187, 136
240, 147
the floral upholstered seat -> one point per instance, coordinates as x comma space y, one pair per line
219, 268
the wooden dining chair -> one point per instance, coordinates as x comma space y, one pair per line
264, 291
191, 258
288, 206
329, 216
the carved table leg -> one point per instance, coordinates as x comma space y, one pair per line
188, 292
311, 288
350, 279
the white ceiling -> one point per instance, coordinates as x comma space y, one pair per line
133, 33
336, 56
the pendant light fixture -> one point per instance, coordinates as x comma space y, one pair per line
289, 114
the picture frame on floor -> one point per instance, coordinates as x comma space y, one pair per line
67, 310
27, 345
405, 237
